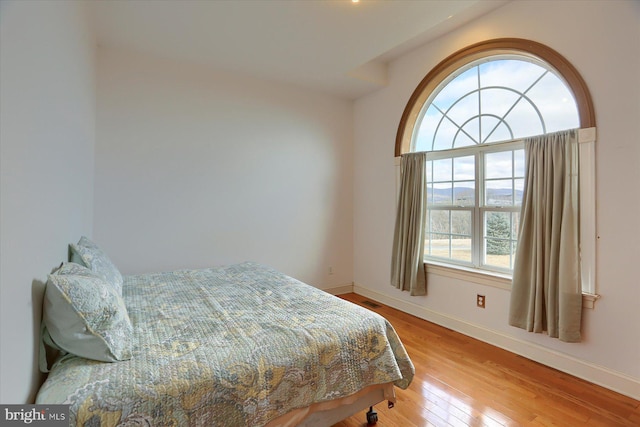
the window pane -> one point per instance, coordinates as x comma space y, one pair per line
461, 223
498, 225
438, 245
518, 190
489, 124
445, 246
503, 259
439, 221
524, 120
501, 133
464, 168
445, 133
429, 171
499, 241
499, 192
467, 107
471, 130
449, 234
442, 194
463, 140
497, 101
464, 174
442, 170
519, 163
464, 193
556, 103
499, 165
456, 88
429, 194
461, 249
519, 75
515, 225
423, 140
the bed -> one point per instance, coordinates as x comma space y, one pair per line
238, 345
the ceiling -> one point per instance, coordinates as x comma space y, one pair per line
335, 46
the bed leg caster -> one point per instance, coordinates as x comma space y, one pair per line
372, 417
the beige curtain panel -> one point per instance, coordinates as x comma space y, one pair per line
546, 294
407, 265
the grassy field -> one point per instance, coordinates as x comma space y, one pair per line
461, 250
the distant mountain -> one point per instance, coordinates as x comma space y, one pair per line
466, 193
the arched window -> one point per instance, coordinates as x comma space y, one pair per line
470, 113
496, 98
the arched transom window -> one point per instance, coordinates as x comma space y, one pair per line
471, 113
497, 98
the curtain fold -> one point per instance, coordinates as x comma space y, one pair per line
546, 294
407, 265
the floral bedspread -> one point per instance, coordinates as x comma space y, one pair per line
237, 345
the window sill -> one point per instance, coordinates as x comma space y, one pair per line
589, 300
488, 278
470, 274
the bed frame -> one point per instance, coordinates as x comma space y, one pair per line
328, 413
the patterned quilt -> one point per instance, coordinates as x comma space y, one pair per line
230, 346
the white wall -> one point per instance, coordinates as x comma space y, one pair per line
601, 40
47, 110
197, 167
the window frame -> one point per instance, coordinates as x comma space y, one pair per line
587, 138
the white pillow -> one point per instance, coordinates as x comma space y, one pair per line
84, 315
90, 255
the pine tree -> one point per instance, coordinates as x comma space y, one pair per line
498, 227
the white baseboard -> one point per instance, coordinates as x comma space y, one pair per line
339, 290
596, 374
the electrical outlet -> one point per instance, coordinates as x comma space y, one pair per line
480, 300
330, 270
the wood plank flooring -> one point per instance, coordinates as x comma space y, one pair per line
461, 381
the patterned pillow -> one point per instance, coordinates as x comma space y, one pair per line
86, 316
90, 255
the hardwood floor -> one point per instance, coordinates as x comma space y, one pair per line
461, 381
